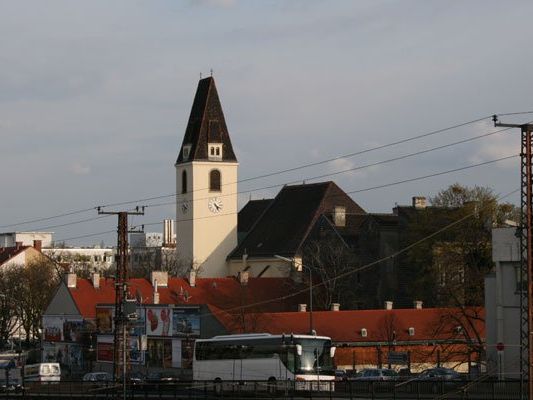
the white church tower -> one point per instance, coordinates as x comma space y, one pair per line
206, 187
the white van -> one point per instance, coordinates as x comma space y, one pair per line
42, 372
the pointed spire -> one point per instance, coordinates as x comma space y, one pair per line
206, 125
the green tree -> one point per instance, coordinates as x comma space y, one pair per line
449, 268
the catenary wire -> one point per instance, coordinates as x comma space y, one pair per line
347, 192
273, 173
372, 187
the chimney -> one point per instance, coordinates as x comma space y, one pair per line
417, 304
18, 245
38, 245
96, 280
388, 305
192, 278
302, 307
160, 276
71, 280
335, 306
419, 202
243, 277
155, 284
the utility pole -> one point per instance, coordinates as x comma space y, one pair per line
526, 255
120, 352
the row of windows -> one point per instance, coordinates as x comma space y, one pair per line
225, 351
215, 181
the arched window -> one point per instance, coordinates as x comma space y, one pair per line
214, 180
184, 182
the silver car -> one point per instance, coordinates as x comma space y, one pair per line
377, 374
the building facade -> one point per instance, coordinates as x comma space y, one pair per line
502, 304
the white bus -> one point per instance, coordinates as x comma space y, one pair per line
43, 372
305, 359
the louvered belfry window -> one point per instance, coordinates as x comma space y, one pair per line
214, 180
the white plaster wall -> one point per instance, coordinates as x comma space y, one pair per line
203, 237
10, 238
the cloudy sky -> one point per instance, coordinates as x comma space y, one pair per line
95, 96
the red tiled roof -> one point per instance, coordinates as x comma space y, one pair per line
345, 326
224, 293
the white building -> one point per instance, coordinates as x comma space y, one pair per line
502, 305
91, 259
10, 239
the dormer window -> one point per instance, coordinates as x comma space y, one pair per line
214, 151
339, 216
186, 151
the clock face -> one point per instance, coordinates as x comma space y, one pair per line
215, 205
185, 207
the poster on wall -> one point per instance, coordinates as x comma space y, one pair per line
139, 325
104, 319
158, 321
49, 353
53, 329
104, 349
186, 321
187, 350
72, 331
176, 353
75, 357
135, 352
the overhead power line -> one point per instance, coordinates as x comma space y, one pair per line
61, 215
405, 140
395, 183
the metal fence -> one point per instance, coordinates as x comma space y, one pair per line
477, 389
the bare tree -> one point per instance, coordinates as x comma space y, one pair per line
330, 259
33, 286
8, 320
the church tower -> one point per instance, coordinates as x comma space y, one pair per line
206, 187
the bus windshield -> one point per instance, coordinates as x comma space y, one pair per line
316, 357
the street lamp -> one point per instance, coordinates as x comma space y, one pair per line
293, 261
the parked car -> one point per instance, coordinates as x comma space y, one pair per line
439, 374
97, 377
341, 375
377, 374
161, 377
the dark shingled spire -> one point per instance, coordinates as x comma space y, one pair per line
206, 125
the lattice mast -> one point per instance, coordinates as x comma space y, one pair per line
526, 256
120, 332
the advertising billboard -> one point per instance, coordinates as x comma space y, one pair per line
186, 322
53, 329
104, 319
158, 321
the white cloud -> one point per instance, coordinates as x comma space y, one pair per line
496, 146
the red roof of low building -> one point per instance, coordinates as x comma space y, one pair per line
429, 324
258, 295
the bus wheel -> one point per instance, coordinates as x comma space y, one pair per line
217, 386
271, 386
